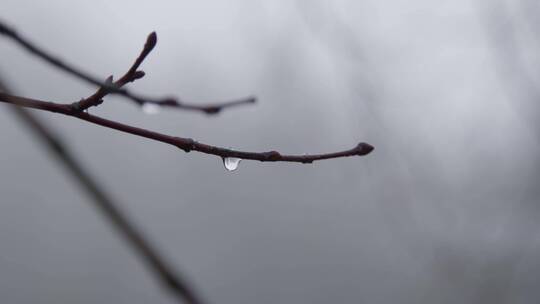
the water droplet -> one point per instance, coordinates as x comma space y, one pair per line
150, 108
231, 163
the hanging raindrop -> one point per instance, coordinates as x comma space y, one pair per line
231, 163
150, 108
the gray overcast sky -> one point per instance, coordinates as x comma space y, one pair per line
444, 211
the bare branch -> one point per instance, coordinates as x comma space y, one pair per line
109, 208
104, 203
109, 87
186, 144
131, 75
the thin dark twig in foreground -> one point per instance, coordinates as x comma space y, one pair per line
110, 210
112, 88
186, 144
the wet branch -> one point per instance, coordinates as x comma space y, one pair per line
76, 109
186, 144
102, 201
109, 87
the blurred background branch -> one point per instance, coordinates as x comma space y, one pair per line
110, 209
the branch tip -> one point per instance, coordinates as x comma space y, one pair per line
138, 75
151, 41
364, 149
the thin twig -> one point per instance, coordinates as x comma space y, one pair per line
108, 87
131, 75
186, 144
109, 208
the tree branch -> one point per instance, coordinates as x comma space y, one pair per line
104, 203
186, 144
109, 208
108, 87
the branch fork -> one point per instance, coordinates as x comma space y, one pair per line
109, 86
175, 283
